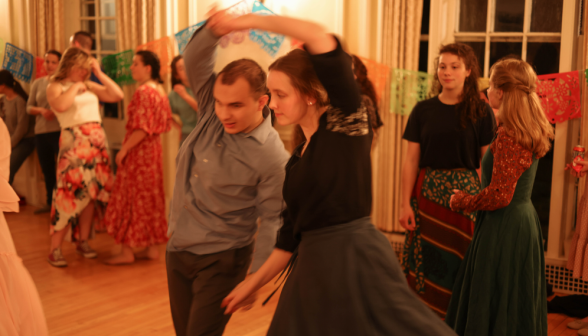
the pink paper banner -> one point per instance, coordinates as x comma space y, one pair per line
560, 96
378, 74
39, 68
236, 37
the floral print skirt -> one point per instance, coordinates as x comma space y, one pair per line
434, 250
83, 175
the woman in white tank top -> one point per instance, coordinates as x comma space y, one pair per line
84, 178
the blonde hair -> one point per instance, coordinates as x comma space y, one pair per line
520, 111
72, 56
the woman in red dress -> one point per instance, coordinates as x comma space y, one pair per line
136, 213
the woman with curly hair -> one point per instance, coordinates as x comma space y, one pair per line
447, 136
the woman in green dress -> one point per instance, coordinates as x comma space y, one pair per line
181, 99
500, 288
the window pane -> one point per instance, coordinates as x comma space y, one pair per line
108, 35
499, 50
479, 50
423, 56
89, 9
110, 110
509, 15
426, 17
108, 8
473, 15
89, 26
544, 57
546, 16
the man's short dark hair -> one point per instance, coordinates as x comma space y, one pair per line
84, 38
248, 70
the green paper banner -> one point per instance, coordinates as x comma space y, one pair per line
118, 67
407, 89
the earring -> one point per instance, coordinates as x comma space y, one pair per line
310, 103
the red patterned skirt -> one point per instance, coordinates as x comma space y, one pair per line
83, 175
136, 212
434, 250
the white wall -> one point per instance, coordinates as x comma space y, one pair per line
327, 12
5, 29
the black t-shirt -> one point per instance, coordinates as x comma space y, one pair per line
445, 144
331, 183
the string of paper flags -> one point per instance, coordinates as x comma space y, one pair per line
559, 93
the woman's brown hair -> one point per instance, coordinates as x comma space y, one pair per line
471, 107
297, 66
520, 111
72, 56
367, 88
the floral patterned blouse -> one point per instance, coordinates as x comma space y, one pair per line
511, 160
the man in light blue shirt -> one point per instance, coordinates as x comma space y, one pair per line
230, 172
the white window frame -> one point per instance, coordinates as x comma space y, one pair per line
97, 21
97, 18
489, 34
442, 30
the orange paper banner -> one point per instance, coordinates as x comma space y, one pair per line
163, 48
379, 74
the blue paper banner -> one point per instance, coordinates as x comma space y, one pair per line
19, 62
183, 37
269, 42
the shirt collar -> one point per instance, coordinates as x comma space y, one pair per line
261, 132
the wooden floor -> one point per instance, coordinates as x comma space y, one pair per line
90, 298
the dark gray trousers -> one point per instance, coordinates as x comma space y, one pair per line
197, 286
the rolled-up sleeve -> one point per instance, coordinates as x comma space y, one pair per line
199, 59
269, 206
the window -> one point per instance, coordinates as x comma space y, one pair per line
529, 29
98, 17
424, 40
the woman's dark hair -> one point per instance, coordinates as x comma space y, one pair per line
150, 58
7, 79
471, 107
367, 88
174, 75
365, 85
54, 52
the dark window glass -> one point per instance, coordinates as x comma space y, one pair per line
426, 17
546, 16
479, 50
423, 56
473, 15
509, 15
544, 57
499, 50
